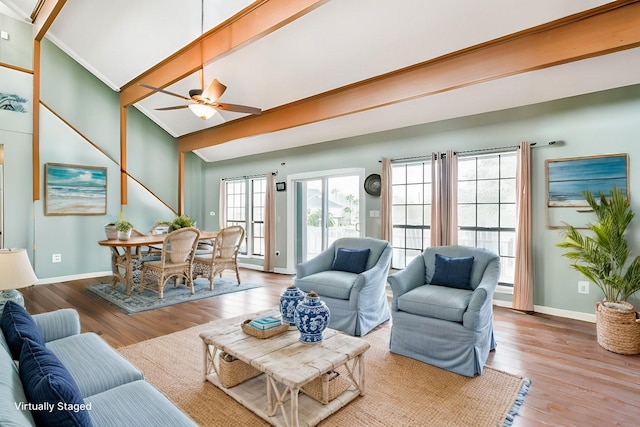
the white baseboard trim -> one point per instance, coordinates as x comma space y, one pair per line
251, 266
58, 279
586, 317
260, 268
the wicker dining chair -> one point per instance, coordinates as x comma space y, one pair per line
223, 256
176, 261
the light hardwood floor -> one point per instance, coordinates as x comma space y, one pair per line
574, 382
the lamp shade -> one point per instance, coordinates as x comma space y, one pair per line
202, 111
15, 269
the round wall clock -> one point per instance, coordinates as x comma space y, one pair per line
372, 185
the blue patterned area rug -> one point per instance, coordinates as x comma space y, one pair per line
148, 300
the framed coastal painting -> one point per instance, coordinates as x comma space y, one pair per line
567, 179
16, 93
75, 190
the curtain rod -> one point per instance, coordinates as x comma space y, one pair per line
479, 150
258, 175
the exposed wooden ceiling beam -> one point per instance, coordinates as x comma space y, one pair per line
45, 12
604, 30
256, 21
43, 15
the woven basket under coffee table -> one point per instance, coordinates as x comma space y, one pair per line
327, 387
232, 371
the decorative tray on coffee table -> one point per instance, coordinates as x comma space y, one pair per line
260, 333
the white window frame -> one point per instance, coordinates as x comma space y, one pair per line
502, 249
247, 249
291, 209
426, 165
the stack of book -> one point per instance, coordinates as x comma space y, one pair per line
264, 323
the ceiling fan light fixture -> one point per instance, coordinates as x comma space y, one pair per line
203, 111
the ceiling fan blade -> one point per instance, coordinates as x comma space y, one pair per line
237, 108
175, 107
165, 91
214, 90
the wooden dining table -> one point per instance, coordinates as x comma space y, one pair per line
126, 253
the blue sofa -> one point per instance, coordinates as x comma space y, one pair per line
357, 299
447, 324
112, 391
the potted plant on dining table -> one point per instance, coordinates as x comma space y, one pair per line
124, 229
181, 221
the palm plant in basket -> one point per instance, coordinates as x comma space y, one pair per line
604, 257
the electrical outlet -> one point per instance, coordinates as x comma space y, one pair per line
583, 287
56, 258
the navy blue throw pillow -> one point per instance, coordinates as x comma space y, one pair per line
17, 326
453, 272
351, 260
50, 389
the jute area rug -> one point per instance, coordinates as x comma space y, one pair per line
399, 391
148, 300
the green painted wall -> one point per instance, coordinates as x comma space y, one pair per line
12, 50
16, 131
593, 124
80, 125
92, 109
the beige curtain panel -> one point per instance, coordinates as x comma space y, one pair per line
386, 227
523, 279
444, 199
222, 205
270, 224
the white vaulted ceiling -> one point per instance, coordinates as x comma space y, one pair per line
339, 43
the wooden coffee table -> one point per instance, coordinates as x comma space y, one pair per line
288, 365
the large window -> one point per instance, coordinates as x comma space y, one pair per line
411, 211
245, 207
487, 206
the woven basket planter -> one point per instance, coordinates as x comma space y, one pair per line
326, 387
232, 371
618, 330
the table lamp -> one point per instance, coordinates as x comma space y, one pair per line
15, 272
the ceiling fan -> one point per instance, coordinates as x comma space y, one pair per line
204, 102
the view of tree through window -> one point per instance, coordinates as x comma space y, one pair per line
330, 210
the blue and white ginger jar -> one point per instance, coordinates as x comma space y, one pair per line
312, 318
288, 302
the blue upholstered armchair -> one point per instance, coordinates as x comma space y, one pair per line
442, 308
350, 276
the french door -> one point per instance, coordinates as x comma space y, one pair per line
327, 207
